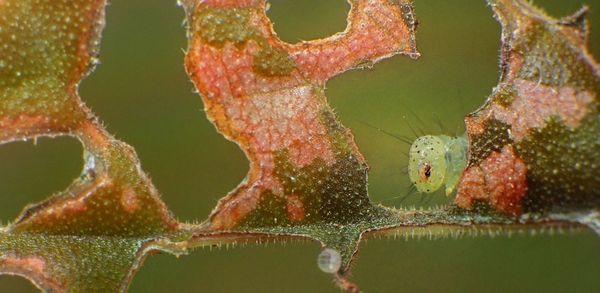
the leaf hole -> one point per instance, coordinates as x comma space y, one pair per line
252, 261
295, 20
177, 146
16, 284
31, 172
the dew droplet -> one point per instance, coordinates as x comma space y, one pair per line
329, 261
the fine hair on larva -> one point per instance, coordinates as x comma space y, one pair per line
433, 161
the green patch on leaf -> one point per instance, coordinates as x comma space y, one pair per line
81, 263
563, 166
218, 26
494, 137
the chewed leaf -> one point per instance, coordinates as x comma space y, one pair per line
307, 176
110, 185
92, 236
534, 145
47, 47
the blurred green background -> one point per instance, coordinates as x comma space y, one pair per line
142, 94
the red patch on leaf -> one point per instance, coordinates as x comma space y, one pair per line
69, 208
129, 200
534, 104
31, 263
231, 3
31, 267
499, 180
295, 208
88, 39
475, 125
19, 127
375, 32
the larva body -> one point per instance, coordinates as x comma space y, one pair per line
435, 161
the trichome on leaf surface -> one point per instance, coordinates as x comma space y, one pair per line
533, 156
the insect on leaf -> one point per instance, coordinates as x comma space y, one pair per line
534, 145
306, 176
532, 158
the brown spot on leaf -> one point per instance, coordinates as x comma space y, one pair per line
499, 180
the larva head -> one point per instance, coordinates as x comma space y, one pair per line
427, 163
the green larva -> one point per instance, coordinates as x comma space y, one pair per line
437, 160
